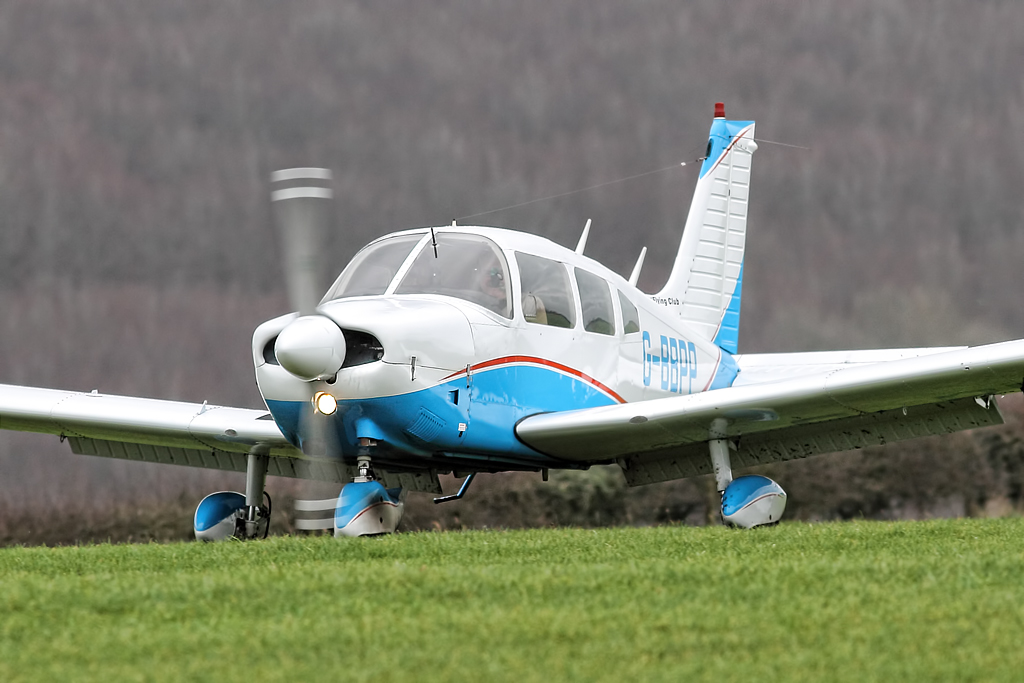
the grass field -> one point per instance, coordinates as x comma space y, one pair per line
858, 601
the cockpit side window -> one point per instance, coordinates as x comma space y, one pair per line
546, 293
372, 269
596, 298
468, 267
630, 317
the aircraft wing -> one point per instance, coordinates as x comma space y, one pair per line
829, 404
173, 432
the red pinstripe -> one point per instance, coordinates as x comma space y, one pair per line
534, 360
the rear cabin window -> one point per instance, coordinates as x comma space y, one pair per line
468, 267
372, 269
596, 300
546, 293
630, 317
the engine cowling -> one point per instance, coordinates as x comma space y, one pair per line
217, 516
752, 500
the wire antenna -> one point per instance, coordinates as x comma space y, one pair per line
582, 189
781, 144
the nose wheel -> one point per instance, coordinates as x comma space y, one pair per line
365, 507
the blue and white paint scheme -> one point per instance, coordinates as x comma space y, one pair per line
465, 349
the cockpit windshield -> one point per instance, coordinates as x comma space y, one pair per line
468, 267
372, 269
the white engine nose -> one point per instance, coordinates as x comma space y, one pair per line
312, 347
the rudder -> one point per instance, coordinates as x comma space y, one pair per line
706, 283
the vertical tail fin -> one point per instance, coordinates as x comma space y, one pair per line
706, 282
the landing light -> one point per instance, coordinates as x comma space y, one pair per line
324, 403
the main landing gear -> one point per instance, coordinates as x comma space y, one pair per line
747, 501
227, 514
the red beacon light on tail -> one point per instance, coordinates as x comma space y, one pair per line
719, 110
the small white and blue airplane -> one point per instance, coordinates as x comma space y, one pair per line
460, 349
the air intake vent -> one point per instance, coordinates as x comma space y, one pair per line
361, 348
268, 352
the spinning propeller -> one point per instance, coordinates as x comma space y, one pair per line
312, 347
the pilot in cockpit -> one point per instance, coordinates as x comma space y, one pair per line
490, 280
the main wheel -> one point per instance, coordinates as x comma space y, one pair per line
751, 501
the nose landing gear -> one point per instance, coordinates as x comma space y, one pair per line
365, 507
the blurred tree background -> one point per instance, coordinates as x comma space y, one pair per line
137, 255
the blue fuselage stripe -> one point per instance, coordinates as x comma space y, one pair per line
428, 421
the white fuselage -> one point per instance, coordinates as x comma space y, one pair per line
455, 376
